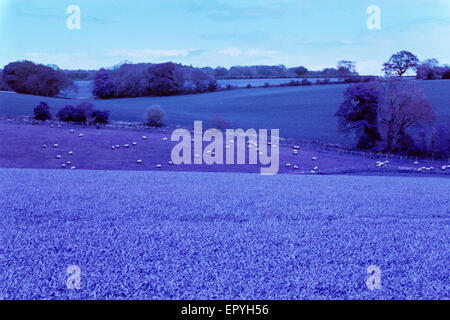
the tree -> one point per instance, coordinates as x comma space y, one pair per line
358, 114
37, 79
300, 71
400, 63
346, 68
428, 70
403, 107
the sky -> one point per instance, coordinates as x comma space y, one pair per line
313, 33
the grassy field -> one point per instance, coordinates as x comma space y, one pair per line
170, 235
299, 112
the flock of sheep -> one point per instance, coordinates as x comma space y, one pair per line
251, 144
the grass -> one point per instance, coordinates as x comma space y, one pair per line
299, 112
166, 235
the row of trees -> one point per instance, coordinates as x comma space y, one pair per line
136, 80
392, 115
83, 112
344, 69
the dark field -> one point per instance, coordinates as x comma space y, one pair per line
299, 112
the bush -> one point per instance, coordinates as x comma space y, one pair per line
81, 113
42, 112
36, 79
446, 75
99, 116
220, 123
249, 86
154, 117
306, 82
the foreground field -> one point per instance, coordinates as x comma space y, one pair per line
299, 112
160, 235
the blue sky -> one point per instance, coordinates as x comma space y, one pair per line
313, 33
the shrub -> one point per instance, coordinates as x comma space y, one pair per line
249, 86
99, 116
154, 117
306, 82
446, 75
266, 84
220, 123
81, 113
42, 112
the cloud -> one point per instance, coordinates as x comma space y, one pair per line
147, 54
236, 52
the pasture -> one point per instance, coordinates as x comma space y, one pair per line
299, 112
171, 235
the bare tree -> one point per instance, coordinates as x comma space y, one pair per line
403, 106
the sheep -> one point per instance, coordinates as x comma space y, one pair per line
58, 156
165, 139
69, 163
70, 153
158, 166
314, 158
126, 145
288, 165
117, 146
170, 163
134, 143
296, 167
144, 137
55, 145
72, 131
63, 165
295, 152
313, 171
139, 161
296, 147
81, 135
73, 168
113, 147
44, 146
59, 126
444, 168
52, 126
316, 168
416, 162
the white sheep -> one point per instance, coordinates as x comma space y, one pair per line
63, 165
314, 158
316, 168
170, 163
58, 156
296, 147
55, 145
144, 137
44, 146
73, 168
113, 147
70, 153
69, 163
159, 166
81, 135
72, 131
164, 139
126, 145
139, 161
134, 143
288, 165
296, 167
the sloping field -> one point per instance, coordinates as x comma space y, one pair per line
299, 112
211, 235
